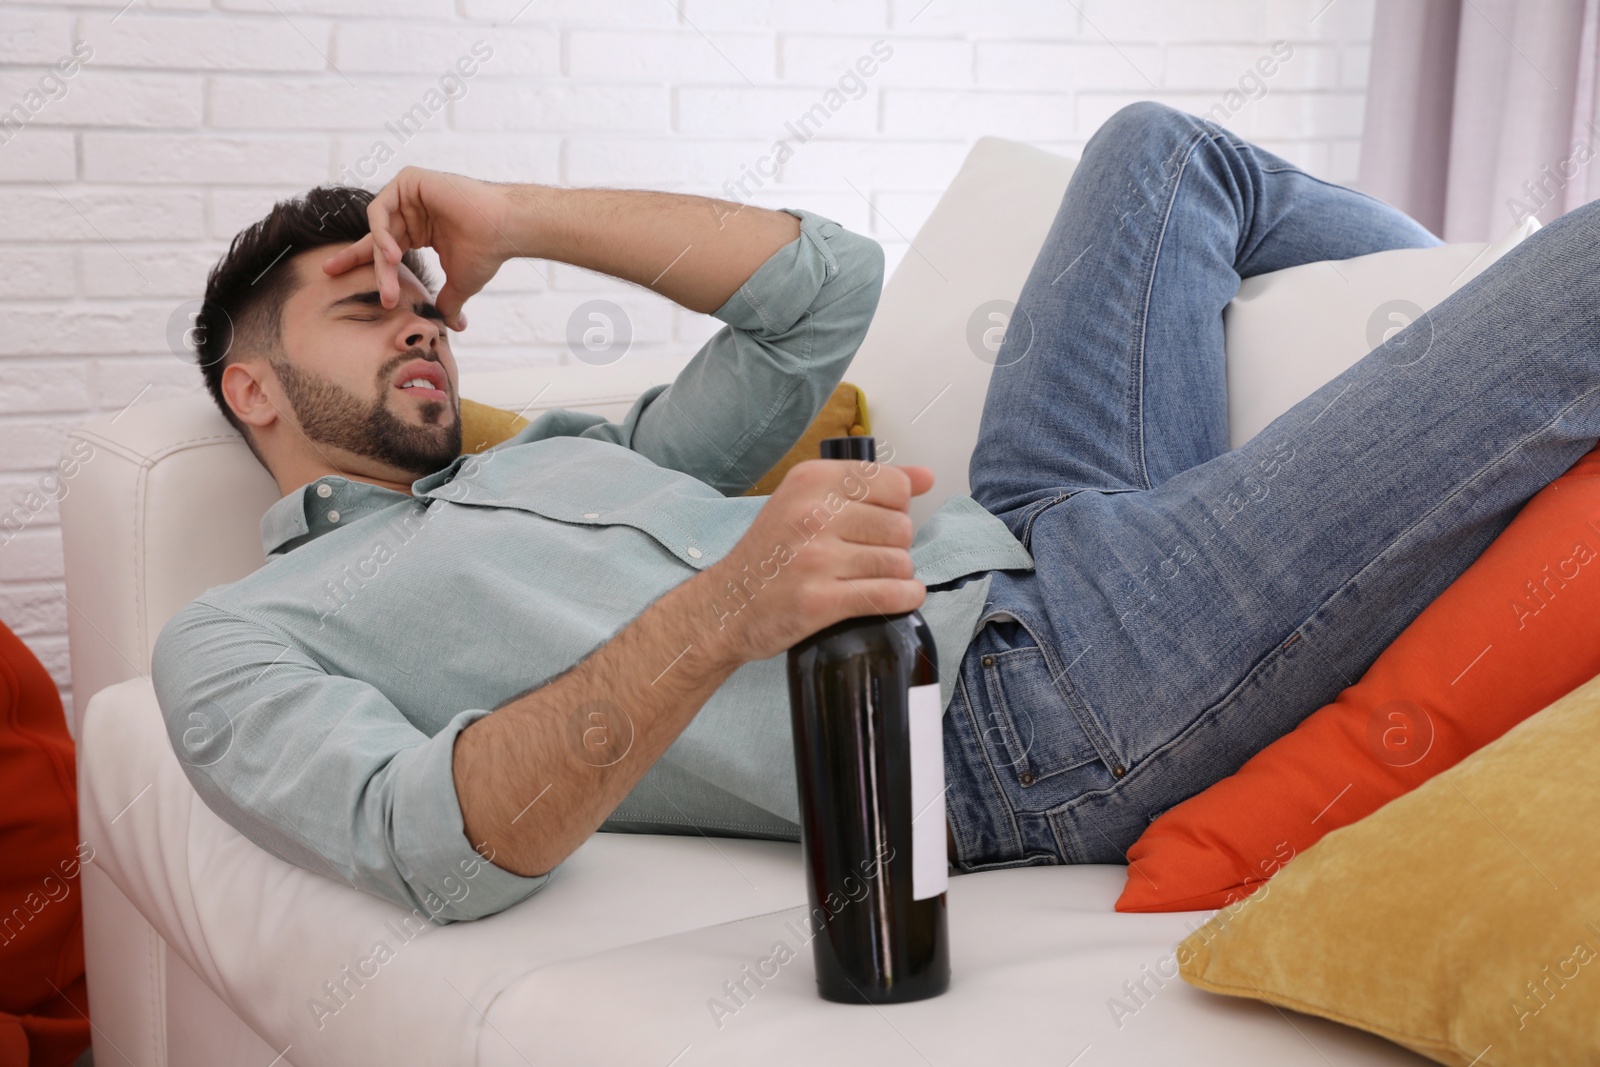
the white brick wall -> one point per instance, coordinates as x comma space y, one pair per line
191, 118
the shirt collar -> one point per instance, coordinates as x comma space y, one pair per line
333, 501
320, 506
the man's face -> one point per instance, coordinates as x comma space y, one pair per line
345, 364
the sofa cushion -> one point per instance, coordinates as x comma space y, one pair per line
618, 959
1462, 920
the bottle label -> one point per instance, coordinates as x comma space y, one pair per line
930, 859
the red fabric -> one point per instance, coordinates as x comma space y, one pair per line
44, 1003
1517, 631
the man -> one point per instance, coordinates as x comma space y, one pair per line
1131, 613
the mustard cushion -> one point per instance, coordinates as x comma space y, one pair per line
843, 415
1461, 920
483, 426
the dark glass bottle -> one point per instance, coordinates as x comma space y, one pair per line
869, 757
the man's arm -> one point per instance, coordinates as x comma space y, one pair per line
695, 250
324, 771
533, 786
541, 774
796, 307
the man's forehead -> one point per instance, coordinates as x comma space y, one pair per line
318, 288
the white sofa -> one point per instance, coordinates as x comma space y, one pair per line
204, 950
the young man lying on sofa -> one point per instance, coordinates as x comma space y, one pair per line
555, 646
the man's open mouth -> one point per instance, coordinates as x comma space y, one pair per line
424, 380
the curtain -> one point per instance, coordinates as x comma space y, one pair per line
1482, 112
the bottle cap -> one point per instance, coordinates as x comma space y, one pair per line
862, 447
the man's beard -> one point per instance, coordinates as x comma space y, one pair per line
331, 415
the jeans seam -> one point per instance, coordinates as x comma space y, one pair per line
1136, 375
1037, 508
1493, 465
1292, 169
1015, 844
1000, 711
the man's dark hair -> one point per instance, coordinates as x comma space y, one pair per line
242, 314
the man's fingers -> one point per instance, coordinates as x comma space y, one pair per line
378, 216
449, 302
894, 484
352, 255
918, 480
889, 485
880, 561
875, 526
884, 596
921, 479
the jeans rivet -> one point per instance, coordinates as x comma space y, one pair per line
988, 661
1026, 779
1118, 772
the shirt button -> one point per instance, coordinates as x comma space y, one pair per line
591, 514
694, 553
988, 661
324, 490
333, 516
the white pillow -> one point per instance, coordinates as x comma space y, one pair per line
1291, 331
923, 381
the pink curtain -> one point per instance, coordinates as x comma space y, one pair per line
1482, 112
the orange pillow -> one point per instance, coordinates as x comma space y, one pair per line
1519, 629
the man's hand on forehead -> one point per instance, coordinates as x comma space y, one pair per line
462, 219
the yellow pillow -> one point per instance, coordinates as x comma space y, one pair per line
844, 414
1461, 920
483, 426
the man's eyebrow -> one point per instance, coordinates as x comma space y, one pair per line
425, 308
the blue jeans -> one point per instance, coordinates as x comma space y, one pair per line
1191, 604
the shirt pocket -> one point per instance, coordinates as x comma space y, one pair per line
694, 544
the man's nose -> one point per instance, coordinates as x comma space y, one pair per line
424, 334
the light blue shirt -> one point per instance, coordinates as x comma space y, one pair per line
315, 703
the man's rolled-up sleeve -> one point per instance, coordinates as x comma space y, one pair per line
746, 397
322, 770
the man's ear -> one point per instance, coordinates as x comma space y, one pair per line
243, 387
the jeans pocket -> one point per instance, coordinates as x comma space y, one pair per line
1030, 732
